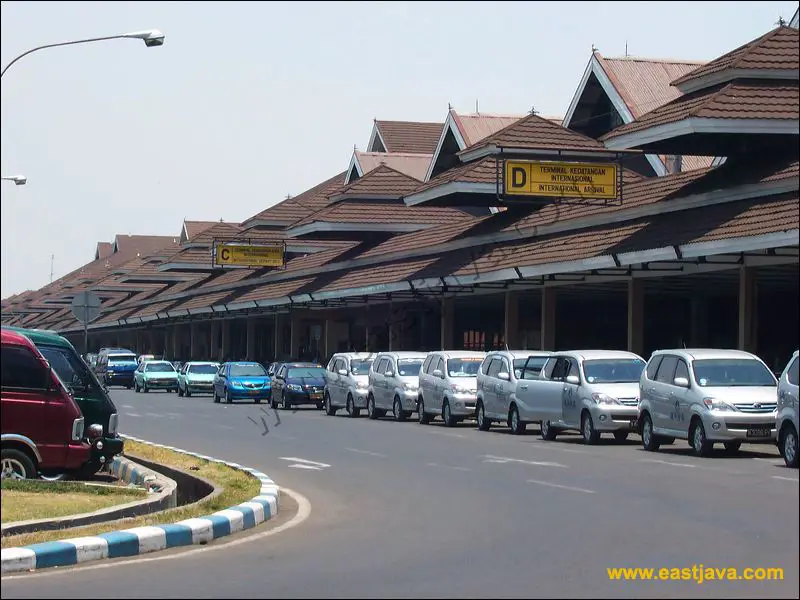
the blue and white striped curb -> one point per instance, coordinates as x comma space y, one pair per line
141, 540
129, 472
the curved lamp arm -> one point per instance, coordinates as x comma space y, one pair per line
151, 37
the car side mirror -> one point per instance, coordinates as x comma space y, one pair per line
342, 371
389, 373
681, 382
438, 373
504, 376
573, 379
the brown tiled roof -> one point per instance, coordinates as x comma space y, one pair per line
104, 249
383, 274
475, 127
644, 83
150, 309
364, 211
479, 171
409, 136
113, 316
383, 181
269, 291
194, 228
775, 50
143, 245
299, 207
217, 230
735, 100
413, 165
198, 301
534, 131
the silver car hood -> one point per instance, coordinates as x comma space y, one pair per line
470, 383
615, 390
742, 394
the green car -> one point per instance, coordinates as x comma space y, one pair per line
197, 378
155, 375
99, 412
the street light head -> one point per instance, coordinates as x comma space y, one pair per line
151, 37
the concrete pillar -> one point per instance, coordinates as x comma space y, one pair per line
448, 309
194, 339
294, 338
747, 339
176, 342
136, 342
277, 338
366, 335
548, 319
251, 339
636, 316
226, 340
698, 322
213, 346
511, 332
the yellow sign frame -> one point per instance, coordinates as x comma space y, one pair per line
249, 255
561, 179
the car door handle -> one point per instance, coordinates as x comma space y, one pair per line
523, 386
566, 388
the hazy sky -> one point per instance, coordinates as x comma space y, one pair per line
249, 101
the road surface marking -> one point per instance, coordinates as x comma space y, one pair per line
447, 433
792, 479
367, 452
132, 414
489, 458
127, 406
302, 463
309, 467
303, 512
449, 467
561, 487
666, 462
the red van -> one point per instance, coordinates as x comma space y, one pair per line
42, 426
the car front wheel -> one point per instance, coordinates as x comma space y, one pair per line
789, 447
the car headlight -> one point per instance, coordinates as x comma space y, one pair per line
604, 399
458, 389
411, 387
714, 404
293, 387
362, 385
236, 384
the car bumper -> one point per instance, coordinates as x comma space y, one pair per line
463, 405
111, 446
119, 378
199, 388
161, 385
410, 398
304, 397
615, 418
748, 427
250, 394
360, 397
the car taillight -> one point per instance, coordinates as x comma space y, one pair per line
77, 429
113, 424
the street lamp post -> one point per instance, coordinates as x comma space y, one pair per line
151, 38
17, 179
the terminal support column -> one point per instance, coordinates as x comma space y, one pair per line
748, 337
176, 345
511, 326
226, 340
448, 311
548, 318
636, 316
193, 340
213, 347
251, 339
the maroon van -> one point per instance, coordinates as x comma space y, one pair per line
42, 426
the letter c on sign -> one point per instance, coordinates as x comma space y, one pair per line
518, 177
225, 254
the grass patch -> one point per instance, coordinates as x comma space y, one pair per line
236, 486
23, 500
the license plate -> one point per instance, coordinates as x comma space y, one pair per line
316, 396
254, 392
758, 432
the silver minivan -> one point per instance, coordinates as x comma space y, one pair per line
497, 383
347, 382
787, 417
448, 384
394, 384
706, 396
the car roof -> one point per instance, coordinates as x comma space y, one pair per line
403, 354
359, 355
460, 353
155, 362
302, 364
14, 337
200, 362
706, 353
44, 336
600, 354
521, 353
117, 351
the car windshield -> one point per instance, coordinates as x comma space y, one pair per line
409, 367
535, 365
732, 372
310, 372
69, 368
121, 359
159, 368
463, 367
248, 371
203, 369
360, 367
613, 370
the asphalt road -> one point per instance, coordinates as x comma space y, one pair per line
406, 510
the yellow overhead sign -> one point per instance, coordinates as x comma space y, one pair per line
241, 255
568, 179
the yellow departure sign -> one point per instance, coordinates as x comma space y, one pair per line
245, 255
563, 179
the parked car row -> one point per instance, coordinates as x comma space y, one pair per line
704, 396
58, 419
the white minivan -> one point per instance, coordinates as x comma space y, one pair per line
347, 382
788, 423
393, 384
448, 384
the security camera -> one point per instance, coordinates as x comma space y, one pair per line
154, 41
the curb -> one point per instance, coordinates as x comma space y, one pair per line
142, 540
162, 493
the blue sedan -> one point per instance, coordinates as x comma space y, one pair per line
240, 381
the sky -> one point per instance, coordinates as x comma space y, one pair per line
247, 102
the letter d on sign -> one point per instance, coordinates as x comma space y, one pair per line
519, 178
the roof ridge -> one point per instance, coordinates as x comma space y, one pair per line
414, 154
671, 61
